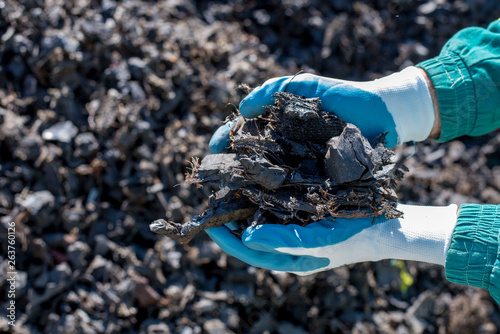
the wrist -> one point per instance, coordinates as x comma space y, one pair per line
408, 100
436, 128
410, 103
423, 234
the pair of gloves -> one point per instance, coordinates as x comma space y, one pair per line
400, 104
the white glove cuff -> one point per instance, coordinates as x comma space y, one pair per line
424, 234
408, 100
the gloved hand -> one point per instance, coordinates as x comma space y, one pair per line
399, 104
424, 234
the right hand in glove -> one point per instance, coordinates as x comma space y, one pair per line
399, 104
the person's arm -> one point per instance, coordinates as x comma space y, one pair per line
466, 80
473, 257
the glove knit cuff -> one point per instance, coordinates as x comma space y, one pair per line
409, 101
455, 93
473, 257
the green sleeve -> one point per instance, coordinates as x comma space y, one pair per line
473, 257
466, 75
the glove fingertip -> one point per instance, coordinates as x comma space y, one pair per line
219, 143
392, 139
256, 238
253, 104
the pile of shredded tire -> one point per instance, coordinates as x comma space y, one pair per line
295, 164
103, 105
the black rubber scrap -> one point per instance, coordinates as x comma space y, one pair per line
264, 173
222, 167
217, 215
295, 164
348, 157
302, 119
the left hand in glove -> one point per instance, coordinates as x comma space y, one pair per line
423, 234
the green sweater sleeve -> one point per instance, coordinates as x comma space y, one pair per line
474, 255
466, 75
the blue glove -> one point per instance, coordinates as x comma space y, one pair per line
399, 105
364, 109
268, 258
424, 234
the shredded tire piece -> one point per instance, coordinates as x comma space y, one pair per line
295, 164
